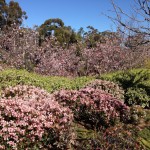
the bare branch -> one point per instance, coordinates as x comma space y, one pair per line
139, 23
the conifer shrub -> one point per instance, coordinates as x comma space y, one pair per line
94, 107
136, 84
113, 138
137, 96
31, 118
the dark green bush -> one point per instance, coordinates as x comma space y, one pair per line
136, 84
137, 96
145, 137
137, 113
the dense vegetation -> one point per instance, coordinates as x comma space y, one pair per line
135, 84
64, 89
99, 114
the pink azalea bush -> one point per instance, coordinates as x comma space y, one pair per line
107, 86
93, 106
31, 118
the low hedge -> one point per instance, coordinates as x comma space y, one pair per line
13, 77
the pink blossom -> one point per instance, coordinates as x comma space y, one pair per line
29, 116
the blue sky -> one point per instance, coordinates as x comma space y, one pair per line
74, 13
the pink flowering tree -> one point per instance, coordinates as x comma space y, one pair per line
19, 47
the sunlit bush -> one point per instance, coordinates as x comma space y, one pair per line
31, 118
13, 77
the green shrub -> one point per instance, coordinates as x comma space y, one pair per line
137, 113
137, 96
147, 63
114, 138
13, 77
145, 137
136, 84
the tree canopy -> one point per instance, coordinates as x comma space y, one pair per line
11, 13
55, 27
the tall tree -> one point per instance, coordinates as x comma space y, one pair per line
80, 34
64, 34
50, 25
11, 13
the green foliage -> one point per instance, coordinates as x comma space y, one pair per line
135, 82
92, 36
145, 133
64, 34
137, 96
147, 63
12, 77
11, 13
145, 144
137, 113
86, 138
145, 137
50, 25
109, 76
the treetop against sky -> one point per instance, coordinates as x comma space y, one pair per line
74, 13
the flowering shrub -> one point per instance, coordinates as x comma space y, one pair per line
93, 106
31, 118
103, 58
107, 86
18, 47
